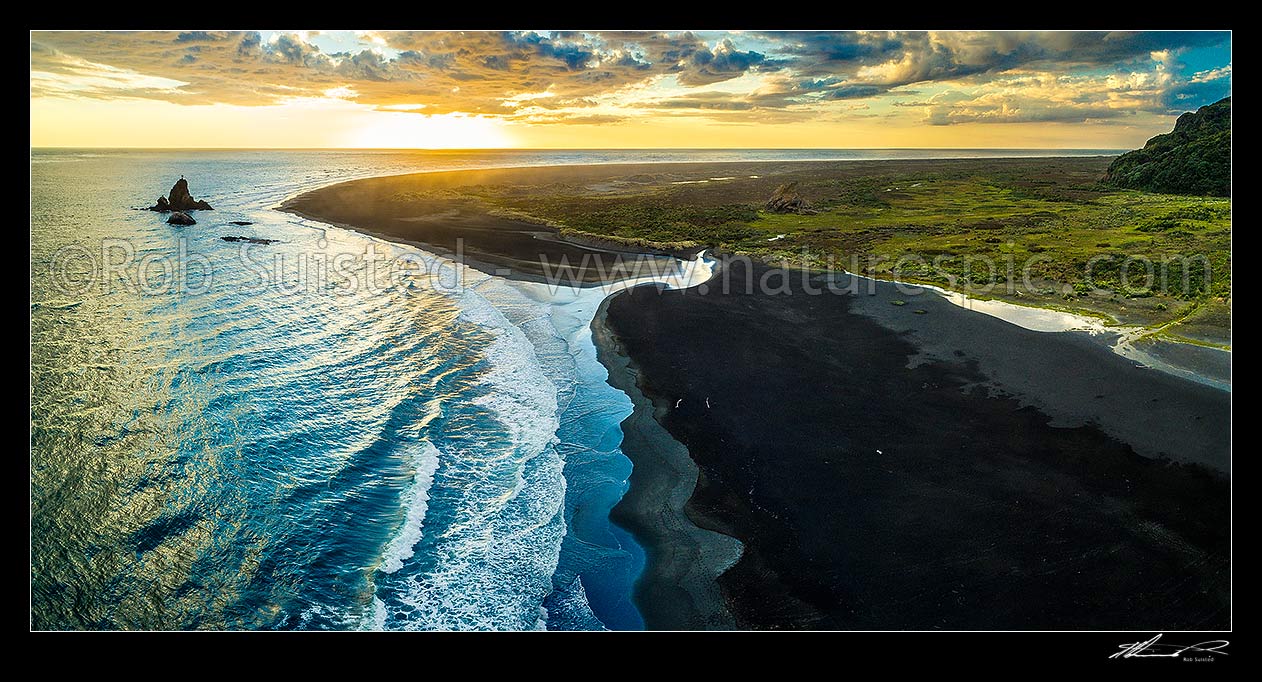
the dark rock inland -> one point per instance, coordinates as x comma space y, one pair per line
787, 200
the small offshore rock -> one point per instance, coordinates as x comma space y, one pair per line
180, 200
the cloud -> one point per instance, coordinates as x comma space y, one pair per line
579, 119
575, 53
249, 44
704, 66
767, 76
851, 91
1027, 97
1210, 75
61, 75
364, 65
196, 37
710, 101
902, 57
1012, 110
292, 50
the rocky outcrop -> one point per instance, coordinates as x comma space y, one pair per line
181, 218
180, 200
787, 200
249, 240
1194, 158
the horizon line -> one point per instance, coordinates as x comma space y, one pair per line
570, 149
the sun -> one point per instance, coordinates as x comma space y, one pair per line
401, 130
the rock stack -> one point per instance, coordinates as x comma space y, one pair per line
180, 200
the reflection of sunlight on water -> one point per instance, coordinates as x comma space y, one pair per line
224, 458
1034, 319
1132, 349
1124, 340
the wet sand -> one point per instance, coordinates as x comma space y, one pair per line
679, 588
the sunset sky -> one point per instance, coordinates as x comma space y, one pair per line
610, 89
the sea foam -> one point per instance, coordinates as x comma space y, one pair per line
416, 501
490, 565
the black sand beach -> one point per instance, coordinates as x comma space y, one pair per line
874, 495
679, 588
882, 468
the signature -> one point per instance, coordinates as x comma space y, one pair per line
1153, 648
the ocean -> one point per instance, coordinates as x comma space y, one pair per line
237, 436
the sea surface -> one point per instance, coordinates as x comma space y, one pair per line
287, 436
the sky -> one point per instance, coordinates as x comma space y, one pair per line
619, 89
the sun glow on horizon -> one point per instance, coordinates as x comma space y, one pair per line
400, 130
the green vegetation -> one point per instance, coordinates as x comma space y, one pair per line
953, 232
1208, 323
1194, 158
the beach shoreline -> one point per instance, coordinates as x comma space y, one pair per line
691, 581
678, 589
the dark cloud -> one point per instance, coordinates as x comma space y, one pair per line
836, 46
293, 50
576, 54
851, 92
364, 65
633, 61
497, 62
196, 37
1101, 48
722, 63
414, 60
249, 43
